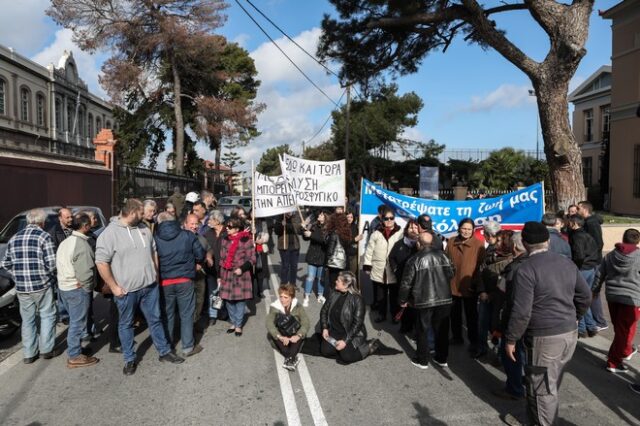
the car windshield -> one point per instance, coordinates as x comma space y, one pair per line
226, 200
18, 223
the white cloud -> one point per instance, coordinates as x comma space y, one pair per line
506, 96
241, 39
23, 25
88, 65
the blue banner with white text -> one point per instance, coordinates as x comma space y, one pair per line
512, 210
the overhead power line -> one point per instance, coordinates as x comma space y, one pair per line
285, 55
325, 121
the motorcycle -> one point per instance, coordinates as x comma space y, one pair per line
10, 319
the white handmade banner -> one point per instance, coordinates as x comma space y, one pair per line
315, 183
271, 196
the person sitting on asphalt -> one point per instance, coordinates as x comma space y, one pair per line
178, 252
75, 263
342, 323
620, 271
289, 340
426, 285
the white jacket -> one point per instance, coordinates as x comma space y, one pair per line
377, 256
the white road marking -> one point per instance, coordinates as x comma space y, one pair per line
289, 398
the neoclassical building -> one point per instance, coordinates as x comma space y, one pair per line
48, 109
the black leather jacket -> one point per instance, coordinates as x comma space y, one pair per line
584, 251
351, 317
426, 279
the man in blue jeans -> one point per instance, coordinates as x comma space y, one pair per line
178, 252
31, 260
127, 262
76, 280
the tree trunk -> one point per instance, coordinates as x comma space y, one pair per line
177, 109
563, 154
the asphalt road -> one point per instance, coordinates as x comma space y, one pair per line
240, 381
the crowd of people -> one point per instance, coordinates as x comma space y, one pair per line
529, 294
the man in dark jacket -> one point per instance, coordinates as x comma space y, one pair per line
426, 285
593, 227
585, 255
620, 270
549, 294
178, 252
557, 244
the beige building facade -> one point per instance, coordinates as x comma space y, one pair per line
48, 109
624, 174
591, 121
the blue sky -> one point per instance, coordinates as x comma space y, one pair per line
473, 98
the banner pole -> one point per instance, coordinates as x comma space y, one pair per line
360, 228
253, 199
544, 204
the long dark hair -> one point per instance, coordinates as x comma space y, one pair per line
338, 223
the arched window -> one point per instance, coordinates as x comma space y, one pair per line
90, 126
41, 119
3, 97
98, 124
80, 122
25, 104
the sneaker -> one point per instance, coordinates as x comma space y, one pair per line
511, 420
172, 358
634, 350
592, 333
582, 334
417, 363
196, 350
295, 361
288, 364
598, 328
129, 368
305, 301
441, 364
82, 361
321, 300
618, 369
635, 388
31, 359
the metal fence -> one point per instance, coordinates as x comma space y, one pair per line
143, 183
478, 154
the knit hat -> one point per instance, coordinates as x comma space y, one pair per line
534, 233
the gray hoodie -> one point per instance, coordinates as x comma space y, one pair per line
620, 271
130, 250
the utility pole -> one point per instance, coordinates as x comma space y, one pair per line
346, 142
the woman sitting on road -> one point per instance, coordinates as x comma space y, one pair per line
237, 257
342, 323
316, 256
288, 324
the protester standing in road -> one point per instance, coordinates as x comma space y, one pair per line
426, 286
192, 224
549, 294
315, 258
127, 261
287, 229
75, 263
31, 260
376, 264
467, 254
620, 271
557, 244
402, 250
214, 235
178, 252
150, 208
237, 257
356, 237
338, 238
289, 338
491, 266
59, 232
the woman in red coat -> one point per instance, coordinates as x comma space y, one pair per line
237, 257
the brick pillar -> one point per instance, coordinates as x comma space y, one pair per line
104, 143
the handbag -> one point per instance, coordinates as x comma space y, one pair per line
215, 301
287, 324
338, 258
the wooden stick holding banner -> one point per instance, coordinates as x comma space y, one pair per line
253, 200
544, 207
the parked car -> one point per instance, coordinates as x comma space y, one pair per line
228, 203
19, 221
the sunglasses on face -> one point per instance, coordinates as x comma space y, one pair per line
388, 218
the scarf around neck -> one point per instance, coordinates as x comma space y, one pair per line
235, 242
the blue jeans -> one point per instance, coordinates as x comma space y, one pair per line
597, 312
76, 302
484, 324
513, 370
183, 297
32, 305
587, 322
313, 272
289, 266
235, 308
148, 300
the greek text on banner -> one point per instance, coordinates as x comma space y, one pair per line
315, 183
271, 196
